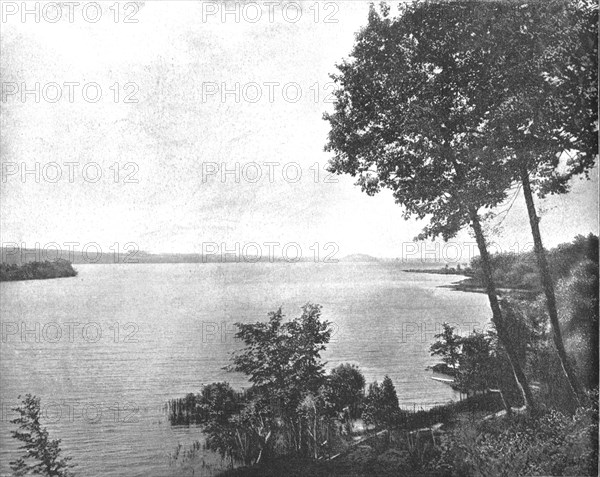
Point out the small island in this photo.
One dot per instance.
(36, 270)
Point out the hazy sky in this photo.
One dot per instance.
(161, 157)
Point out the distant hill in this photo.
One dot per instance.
(359, 257)
(16, 256)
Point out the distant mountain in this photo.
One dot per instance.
(359, 257)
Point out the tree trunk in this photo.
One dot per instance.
(497, 313)
(548, 287)
(316, 452)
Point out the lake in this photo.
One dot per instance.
(106, 349)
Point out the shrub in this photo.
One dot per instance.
(547, 444)
(43, 455)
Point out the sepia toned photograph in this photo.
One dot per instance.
(299, 238)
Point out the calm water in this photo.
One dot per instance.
(115, 342)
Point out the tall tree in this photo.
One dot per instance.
(545, 62)
(408, 117)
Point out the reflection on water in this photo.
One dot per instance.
(105, 350)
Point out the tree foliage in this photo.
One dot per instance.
(479, 361)
(286, 410)
(519, 270)
(282, 359)
(443, 103)
(447, 346)
(409, 112)
(345, 388)
(545, 63)
(381, 404)
(43, 456)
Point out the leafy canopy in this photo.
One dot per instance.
(409, 113)
(445, 103)
(345, 388)
(282, 359)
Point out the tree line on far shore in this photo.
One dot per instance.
(36, 270)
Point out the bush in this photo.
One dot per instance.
(547, 444)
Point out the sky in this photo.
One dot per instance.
(173, 156)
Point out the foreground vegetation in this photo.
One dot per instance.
(296, 419)
(36, 270)
(41, 455)
(550, 444)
